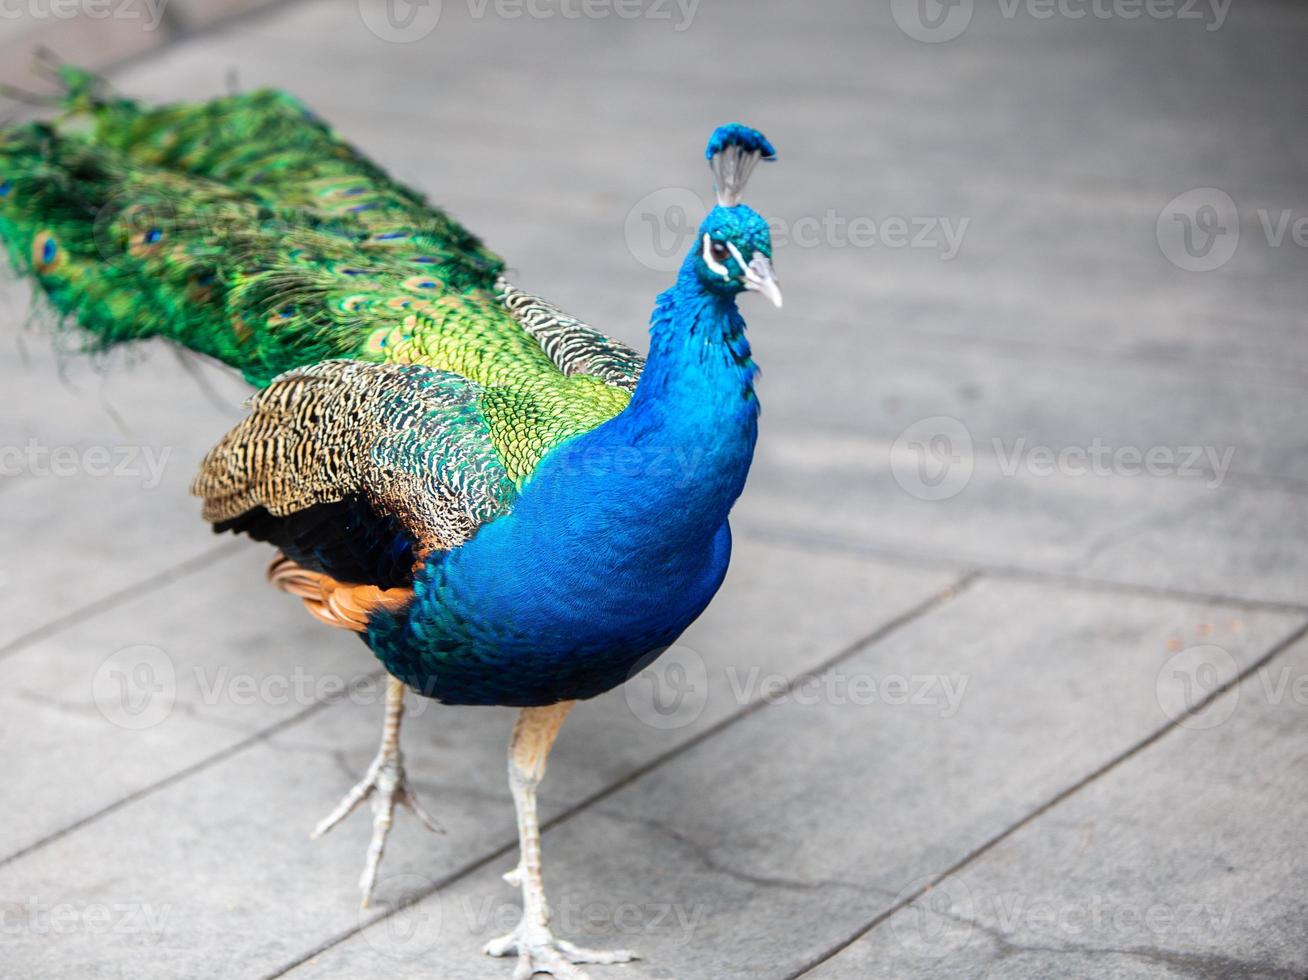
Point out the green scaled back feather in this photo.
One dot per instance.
(245, 229)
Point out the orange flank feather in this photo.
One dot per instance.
(341, 604)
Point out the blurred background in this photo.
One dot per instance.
(1009, 676)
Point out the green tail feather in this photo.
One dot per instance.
(270, 146)
(242, 228)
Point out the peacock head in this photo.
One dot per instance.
(734, 249)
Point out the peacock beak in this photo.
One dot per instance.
(760, 278)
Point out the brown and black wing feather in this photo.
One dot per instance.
(358, 471)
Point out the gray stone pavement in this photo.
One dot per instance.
(1008, 678)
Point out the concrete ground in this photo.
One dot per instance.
(1009, 678)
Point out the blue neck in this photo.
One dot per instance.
(671, 465)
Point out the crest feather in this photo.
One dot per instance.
(733, 152)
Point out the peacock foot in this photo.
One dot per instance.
(386, 785)
(539, 952)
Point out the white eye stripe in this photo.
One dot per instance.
(713, 263)
(736, 253)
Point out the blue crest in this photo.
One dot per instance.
(733, 151)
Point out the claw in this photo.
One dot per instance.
(343, 809)
(542, 953)
(410, 801)
(386, 785)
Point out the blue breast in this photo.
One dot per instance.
(501, 622)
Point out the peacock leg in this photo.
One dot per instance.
(533, 943)
(387, 785)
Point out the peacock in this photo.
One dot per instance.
(491, 493)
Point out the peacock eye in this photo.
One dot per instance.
(718, 251)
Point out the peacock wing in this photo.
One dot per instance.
(358, 470)
(573, 346)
